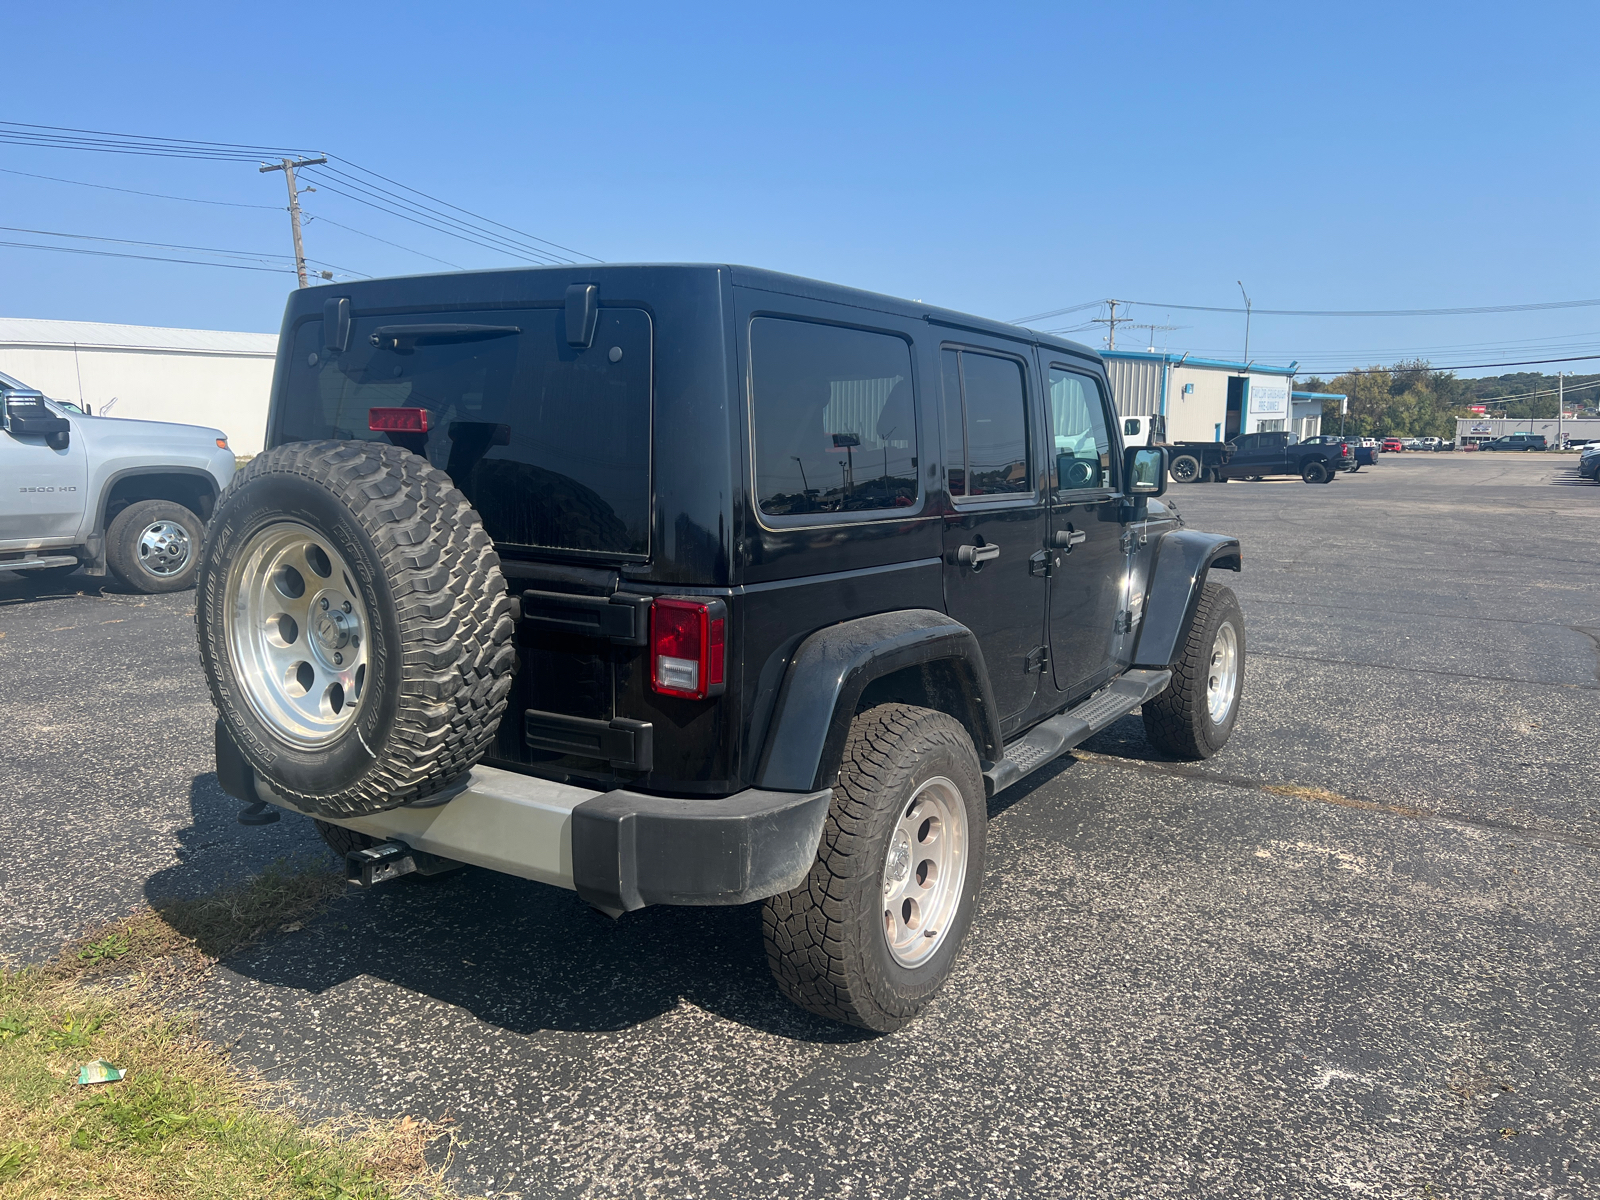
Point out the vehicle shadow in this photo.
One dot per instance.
(516, 954)
(25, 587)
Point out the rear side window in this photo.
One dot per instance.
(834, 420)
(551, 444)
(986, 424)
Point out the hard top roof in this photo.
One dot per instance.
(754, 278)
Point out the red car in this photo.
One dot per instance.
(1392, 446)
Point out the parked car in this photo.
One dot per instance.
(101, 493)
(1517, 441)
(1589, 464)
(697, 585)
(1258, 455)
(1393, 445)
(1434, 443)
(1365, 450)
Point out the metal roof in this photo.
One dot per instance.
(1188, 360)
(27, 332)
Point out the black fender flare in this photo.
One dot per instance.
(832, 668)
(1183, 557)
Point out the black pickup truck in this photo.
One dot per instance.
(1257, 455)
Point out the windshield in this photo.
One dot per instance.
(550, 443)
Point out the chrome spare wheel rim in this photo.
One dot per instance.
(1222, 674)
(297, 634)
(924, 871)
(164, 549)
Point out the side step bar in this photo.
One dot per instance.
(1051, 739)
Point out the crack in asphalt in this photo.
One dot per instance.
(1323, 796)
(1594, 638)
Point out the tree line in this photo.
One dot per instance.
(1411, 399)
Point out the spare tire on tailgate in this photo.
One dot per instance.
(354, 625)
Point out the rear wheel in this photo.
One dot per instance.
(353, 625)
(873, 932)
(1185, 468)
(154, 546)
(1194, 717)
(1316, 472)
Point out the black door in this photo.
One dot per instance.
(996, 526)
(1247, 456)
(1238, 389)
(1086, 560)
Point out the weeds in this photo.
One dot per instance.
(183, 1122)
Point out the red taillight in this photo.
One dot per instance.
(688, 652)
(397, 420)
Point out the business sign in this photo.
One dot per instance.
(1269, 397)
(1481, 427)
(1479, 408)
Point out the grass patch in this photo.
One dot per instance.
(184, 1122)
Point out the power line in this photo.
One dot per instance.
(102, 141)
(310, 217)
(144, 257)
(469, 213)
(1530, 362)
(428, 219)
(244, 254)
(106, 187)
(1542, 306)
(324, 186)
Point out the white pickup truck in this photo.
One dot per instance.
(104, 493)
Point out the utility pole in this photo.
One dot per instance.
(1111, 323)
(287, 166)
(1561, 403)
(1246, 296)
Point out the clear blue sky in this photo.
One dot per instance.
(1003, 160)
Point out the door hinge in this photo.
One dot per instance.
(1043, 562)
(1038, 658)
(1132, 538)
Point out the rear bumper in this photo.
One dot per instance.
(619, 850)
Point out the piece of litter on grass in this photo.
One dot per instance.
(291, 927)
(99, 1071)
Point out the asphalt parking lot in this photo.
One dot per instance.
(1354, 954)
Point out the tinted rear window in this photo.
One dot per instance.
(551, 444)
(835, 424)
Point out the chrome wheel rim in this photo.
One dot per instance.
(297, 634)
(165, 549)
(924, 871)
(1222, 674)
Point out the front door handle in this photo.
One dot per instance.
(1068, 538)
(973, 555)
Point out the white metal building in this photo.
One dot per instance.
(196, 376)
(1486, 429)
(1208, 400)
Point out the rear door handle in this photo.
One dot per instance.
(1068, 538)
(973, 555)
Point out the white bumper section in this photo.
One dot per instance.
(503, 821)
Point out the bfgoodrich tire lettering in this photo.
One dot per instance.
(1185, 720)
(425, 581)
(826, 941)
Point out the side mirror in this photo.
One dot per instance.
(30, 418)
(1145, 470)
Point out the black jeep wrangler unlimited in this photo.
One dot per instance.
(549, 571)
